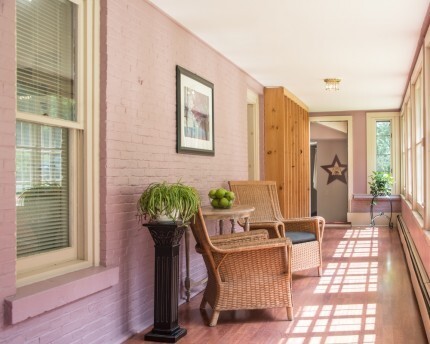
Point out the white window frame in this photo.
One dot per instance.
(371, 119)
(426, 114)
(409, 152)
(84, 171)
(403, 152)
(418, 141)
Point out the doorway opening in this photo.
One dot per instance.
(331, 168)
(253, 134)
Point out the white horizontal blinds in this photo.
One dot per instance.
(42, 185)
(46, 58)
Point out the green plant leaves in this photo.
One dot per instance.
(381, 183)
(177, 201)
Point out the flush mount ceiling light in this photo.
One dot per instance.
(332, 84)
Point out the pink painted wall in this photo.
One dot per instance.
(420, 238)
(140, 48)
(359, 146)
(7, 151)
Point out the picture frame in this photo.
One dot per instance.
(194, 113)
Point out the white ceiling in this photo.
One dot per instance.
(369, 44)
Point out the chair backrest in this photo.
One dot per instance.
(198, 226)
(260, 194)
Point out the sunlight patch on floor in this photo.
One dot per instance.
(351, 277)
(357, 249)
(334, 324)
(362, 233)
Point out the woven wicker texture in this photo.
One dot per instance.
(267, 215)
(245, 270)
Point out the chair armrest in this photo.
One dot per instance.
(234, 247)
(305, 224)
(241, 237)
(275, 228)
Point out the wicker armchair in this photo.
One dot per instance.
(306, 234)
(245, 270)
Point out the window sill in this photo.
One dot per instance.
(34, 299)
(361, 197)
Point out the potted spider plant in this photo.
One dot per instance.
(164, 202)
(169, 208)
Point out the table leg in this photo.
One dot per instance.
(232, 225)
(246, 224)
(221, 226)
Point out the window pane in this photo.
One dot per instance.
(418, 110)
(420, 173)
(383, 146)
(42, 188)
(46, 65)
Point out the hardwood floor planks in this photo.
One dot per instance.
(364, 296)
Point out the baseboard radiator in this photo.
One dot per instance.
(419, 277)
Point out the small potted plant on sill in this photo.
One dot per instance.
(380, 185)
(166, 203)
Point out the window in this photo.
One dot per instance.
(53, 132)
(383, 145)
(409, 151)
(419, 143)
(403, 155)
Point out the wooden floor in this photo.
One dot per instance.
(364, 296)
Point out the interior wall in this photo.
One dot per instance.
(332, 199)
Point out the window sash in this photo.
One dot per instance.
(71, 120)
(46, 48)
(384, 154)
(42, 187)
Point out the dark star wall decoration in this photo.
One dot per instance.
(336, 171)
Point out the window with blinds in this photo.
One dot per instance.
(46, 90)
(45, 58)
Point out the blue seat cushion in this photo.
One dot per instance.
(300, 237)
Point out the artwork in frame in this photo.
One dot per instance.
(195, 113)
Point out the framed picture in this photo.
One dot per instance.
(195, 113)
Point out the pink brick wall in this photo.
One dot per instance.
(140, 136)
(7, 151)
(140, 48)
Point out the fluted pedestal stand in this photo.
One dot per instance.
(167, 240)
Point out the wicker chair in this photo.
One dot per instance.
(245, 270)
(306, 234)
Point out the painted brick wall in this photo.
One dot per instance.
(7, 151)
(140, 48)
(142, 51)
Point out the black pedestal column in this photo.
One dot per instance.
(166, 238)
